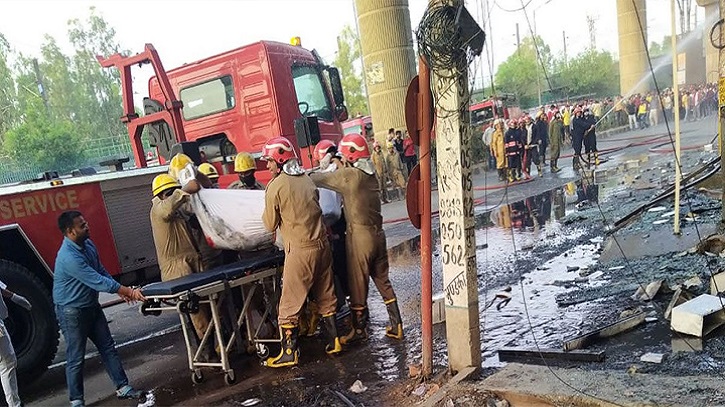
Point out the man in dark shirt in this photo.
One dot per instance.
(77, 279)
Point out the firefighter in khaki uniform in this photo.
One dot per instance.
(396, 170)
(291, 203)
(367, 254)
(176, 250)
(381, 170)
(244, 166)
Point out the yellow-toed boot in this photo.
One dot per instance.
(289, 355)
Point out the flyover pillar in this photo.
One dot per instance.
(386, 39)
(633, 66)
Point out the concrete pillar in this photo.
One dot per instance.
(633, 65)
(712, 13)
(386, 40)
(455, 200)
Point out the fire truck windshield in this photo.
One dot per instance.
(482, 115)
(312, 97)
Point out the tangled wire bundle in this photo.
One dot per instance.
(440, 42)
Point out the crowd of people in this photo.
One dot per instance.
(393, 166)
(515, 144)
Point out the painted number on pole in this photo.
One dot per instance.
(721, 91)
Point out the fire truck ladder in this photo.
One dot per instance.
(135, 124)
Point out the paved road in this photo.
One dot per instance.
(156, 359)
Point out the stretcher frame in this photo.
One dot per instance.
(214, 294)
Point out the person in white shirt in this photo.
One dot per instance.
(8, 361)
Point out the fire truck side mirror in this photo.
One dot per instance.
(341, 112)
(336, 84)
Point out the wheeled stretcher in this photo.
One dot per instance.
(253, 277)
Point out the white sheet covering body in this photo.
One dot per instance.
(232, 219)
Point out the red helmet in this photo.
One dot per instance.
(354, 147)
(278, 149)
(322, 148)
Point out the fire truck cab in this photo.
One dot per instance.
(503, 106)
(238, 100)
(362, 125)
(210, 109)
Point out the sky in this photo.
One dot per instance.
(184, 31)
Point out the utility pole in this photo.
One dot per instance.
(721, 100)
(455, 199)
(591, 24)
(518, 38)
(566, 60)
(676, 88)
(41, 87)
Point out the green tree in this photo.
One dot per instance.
(518, 74)
(8, 107)
(348, 56)
(657, 49)
(45, 142)
(592, 71)
(100, 87)
(79, 91)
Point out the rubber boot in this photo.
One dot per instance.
(589, 160)
(575, 163)
(289, 355)
(384, 195)
(395, 328)
(359, 330)
(596, 159)
(511, 175)
(313, 319)
(333, 341)
(539, 168)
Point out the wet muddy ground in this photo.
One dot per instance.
(549, 252)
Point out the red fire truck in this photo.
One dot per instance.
(231, 102)
(360, 125)
(504, 106)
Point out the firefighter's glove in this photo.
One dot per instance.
(187, 174)
(22, 301)
(325, 161)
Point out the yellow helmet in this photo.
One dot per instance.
(244, 162)
(162, 182)
(177, 163)
(209, 170)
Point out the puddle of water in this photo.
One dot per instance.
(536, 296)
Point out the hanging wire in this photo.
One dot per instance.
(536, 45)
(446, 53)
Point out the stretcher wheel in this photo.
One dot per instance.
(197, 376)
(230, 378)
(262, 351)
(145, 311)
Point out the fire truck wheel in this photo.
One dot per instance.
(34, 334)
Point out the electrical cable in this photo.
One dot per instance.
(446, 53)
(495, 2)
(719, 45)
(536, 45)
